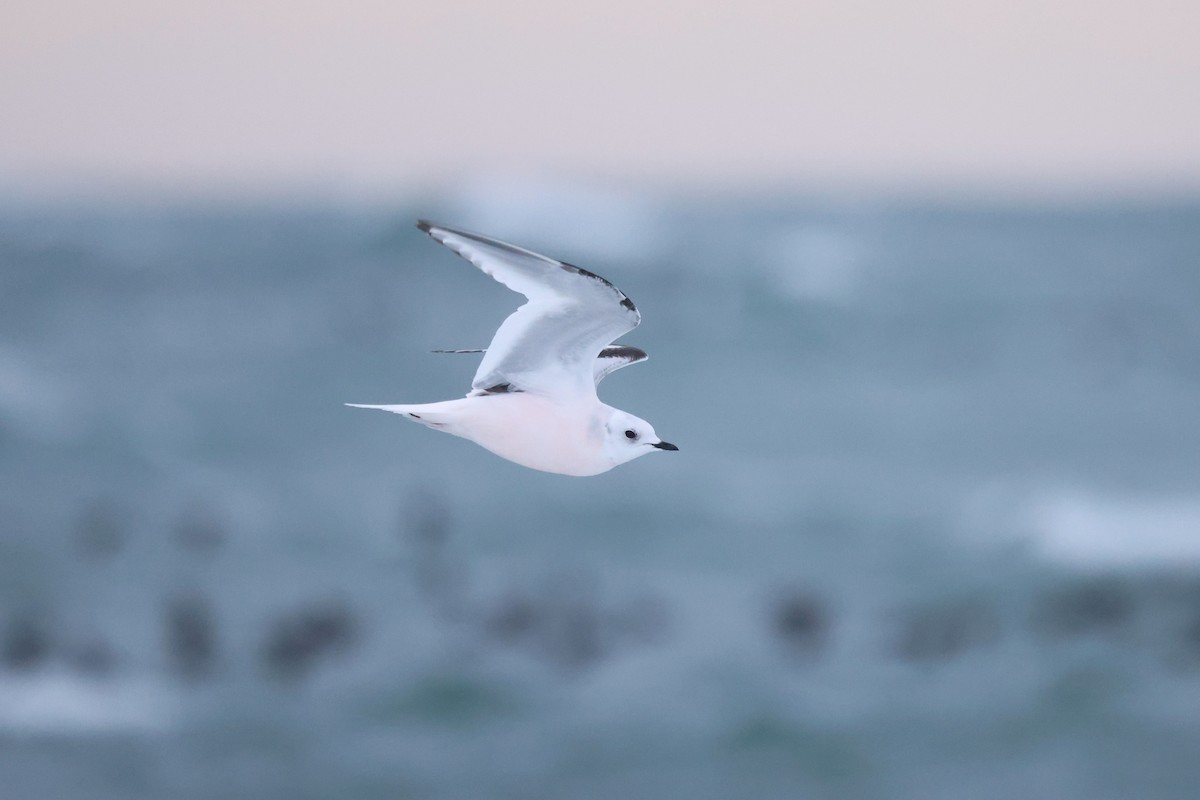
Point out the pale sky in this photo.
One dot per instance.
(1008, 93)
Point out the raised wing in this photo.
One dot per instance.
(549, 344)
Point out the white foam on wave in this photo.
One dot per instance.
(32, 399)
(1091, 530)
(1083, 528)
(58, 702)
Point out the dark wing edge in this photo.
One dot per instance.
(611, 359)
(615, 356)
(432, 229)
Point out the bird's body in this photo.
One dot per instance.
(525, 428)
(533, 400)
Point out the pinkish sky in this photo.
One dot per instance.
(1017, 95)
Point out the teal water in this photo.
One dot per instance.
(933, 529)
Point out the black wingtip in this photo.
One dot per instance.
(630, 354)
(424, 225)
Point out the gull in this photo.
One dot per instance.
(533, 399)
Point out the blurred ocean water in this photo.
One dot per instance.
(933, 531)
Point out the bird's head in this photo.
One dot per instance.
(626, 437)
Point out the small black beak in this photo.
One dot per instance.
(664, 446)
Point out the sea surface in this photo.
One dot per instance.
(933, 530)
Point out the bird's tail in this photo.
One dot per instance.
(432, 414)
(404, 409)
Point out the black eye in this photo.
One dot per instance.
(630, 434)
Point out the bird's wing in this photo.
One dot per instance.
(611, 358)
(551, 343)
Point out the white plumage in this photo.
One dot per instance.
(533, 399)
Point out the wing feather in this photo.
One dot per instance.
(551, 343)
(614, 357)
(611, 358)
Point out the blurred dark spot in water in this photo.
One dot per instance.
(941, 631)
(426, 523)
(26, 644)
(645, 619)
(568, 626)
(190, 636)
(100, 531)
(425, 530)
(575, 637)
(1183, 653)
(515, 617)
(1168, 614)
(1191, 637)
(298, 641)
(1094, 606)
(199, 531)
(565, 622)
(801, 621)
(94, 657)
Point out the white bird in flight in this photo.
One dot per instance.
(533, 399)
